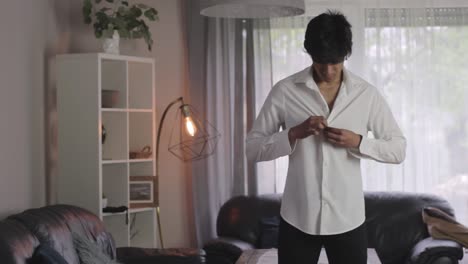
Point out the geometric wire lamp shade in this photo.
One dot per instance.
(251, 8)
(192, 138)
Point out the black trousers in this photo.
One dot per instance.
(295, 246)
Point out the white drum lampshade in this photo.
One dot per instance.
(251, 8)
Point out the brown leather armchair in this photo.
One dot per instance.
(22, 233)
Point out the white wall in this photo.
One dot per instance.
(22, 75)
(33, 31)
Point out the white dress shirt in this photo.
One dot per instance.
(323, 193)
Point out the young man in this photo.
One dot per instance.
(325, 112)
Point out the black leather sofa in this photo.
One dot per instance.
(21, 234)
(394, 228)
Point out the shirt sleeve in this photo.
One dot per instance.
(388, 144)
(265, 141)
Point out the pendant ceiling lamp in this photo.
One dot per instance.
(251, 8)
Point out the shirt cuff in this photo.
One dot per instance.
(365, 146)
(284, 145)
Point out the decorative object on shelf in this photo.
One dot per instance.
(144, 153)
(252, 8)
(190, 139)
(143, 191)
(111, 16)
(103, 134)
(109, 98)
(115, 209)
(104, 201)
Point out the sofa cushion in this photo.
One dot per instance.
(239, 217)
(268, 232)
(89, 252)
(17, 243)
(53, 225)
(45, 254)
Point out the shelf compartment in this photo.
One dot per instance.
(142, 169)
(115, 184)
(141, 131)
(116, 224)
(115, 144)
(114, 78)
(140, 85)
(142, 227)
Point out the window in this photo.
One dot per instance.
(418, 59)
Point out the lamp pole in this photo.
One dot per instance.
(158, 141)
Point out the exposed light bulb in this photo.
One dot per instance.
(190, 126)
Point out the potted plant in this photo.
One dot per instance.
(118, 18)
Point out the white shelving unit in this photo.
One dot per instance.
(89, 168)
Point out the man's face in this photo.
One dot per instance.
(328, 72)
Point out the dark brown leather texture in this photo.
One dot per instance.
(22, 233)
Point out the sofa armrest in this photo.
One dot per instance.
(225, 250)
(435, 251)
(135, 255)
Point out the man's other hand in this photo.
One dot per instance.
(311, 126)
(342, 137)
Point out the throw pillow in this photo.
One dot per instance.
(268, 237)
(443, 226)
(89, 252)
(45, 254)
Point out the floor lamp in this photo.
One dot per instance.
(191, 139)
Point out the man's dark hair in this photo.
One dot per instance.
(328, 38)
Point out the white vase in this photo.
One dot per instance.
(111, 45)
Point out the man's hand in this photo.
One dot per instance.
(311, 126)
(342, 137)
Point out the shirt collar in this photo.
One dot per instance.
(305, 77)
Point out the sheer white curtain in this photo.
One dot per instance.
(417, 55)
(220, 87)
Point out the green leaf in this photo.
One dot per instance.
(135, 12)
(122, 11)
(151, 14)
(101, 16)
(87, 8)
(119, 23)
(97, 31)
(124, 33)
(154, 11)
(136, 34)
